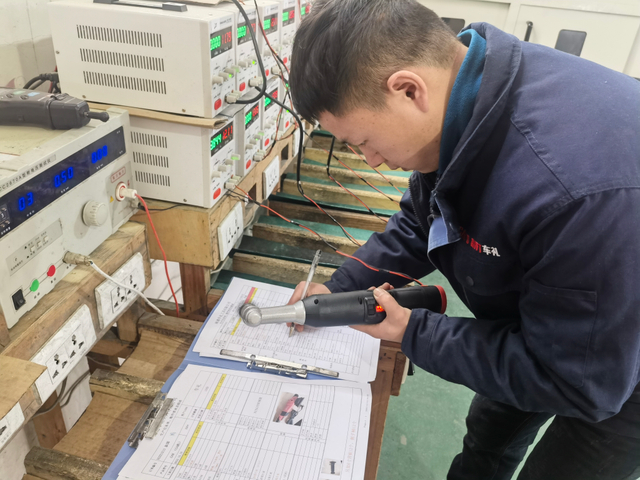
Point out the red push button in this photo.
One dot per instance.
(266, 72)
(242, 86)
(248, 164)
(217, 193)
(287, 124)
(266, 142)
(218, 104)
(284, 60)
(52, 271)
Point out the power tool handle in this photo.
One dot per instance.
(357, 308)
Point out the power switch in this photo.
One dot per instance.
(18, 300)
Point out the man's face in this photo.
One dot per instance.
(397, 136)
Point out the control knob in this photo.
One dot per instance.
(94, 214)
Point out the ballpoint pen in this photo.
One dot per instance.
(312, 270)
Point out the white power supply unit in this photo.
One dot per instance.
(230, 230)
(185, 163)
(269, 114)
(64, 350)
(142, 55)
(271, 177)
(246, 65)
(269, 16)
(250, 143)
(57, 194)
(112, 299)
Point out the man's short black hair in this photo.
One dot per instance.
(345, 51)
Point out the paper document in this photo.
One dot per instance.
(230, 425)
(351, 353)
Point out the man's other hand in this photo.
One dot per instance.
(314, 289)
(392, 328)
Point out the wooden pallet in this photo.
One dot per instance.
(120, 398)
(34, 329)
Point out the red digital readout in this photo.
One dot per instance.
(292, 14)
(307, 8)
(226, 38)
(255, 111)
(227, 132)
(274, 22)
(253, 26)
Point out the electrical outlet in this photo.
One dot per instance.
(112, 299)
(270, 177)
(230, 230)
(64, 350)
(10, 424)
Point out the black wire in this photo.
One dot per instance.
(263, 87)
(333, 141)
(161, 209)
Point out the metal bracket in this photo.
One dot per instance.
(171, 6)
(148, 425)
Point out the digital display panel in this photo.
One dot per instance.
(267, 101)
(288, 16)
(221, 138)
(29, 198)
(221, 41)
(252, 115)
(305, 10)
(270, 23)
(244, 35)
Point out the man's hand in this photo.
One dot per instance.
(393, 327)
(314, 289)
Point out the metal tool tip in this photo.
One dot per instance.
(250, 315)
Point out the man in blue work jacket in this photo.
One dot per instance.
(526, 196)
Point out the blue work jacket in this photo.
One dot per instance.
(549, 262)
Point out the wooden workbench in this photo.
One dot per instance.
(121, 398)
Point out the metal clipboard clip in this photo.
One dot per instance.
(151, 420)
(281, 367)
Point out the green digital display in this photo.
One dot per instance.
(267, 101)
(270, 23)
(221, 138)
(216, 42)
(242, 31)
(220, 41)
(215, 141)
(289, 16)
(252, 115)
(285, 16)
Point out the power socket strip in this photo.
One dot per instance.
(64, 350)
(10, 424)
(270, 177)
(111, 299)
(230, 230)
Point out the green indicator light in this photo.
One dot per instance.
(215, 141)
(216, 42)
(267, 24)
(34, 285)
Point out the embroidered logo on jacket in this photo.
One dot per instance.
(478, 247)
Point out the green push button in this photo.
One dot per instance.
(35, 285)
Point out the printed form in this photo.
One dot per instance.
(228, 425)
(351, 353)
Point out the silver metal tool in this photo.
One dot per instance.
(273, 365)
(312, 271)
(151, 420)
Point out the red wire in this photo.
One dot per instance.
(379, 172)
(164, 255)
(336, 250)
(322, 210)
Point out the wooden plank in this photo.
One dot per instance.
(5, 337)
(30, 477)
(128, 322)
(52, 465)
(398, 373)
(299, 237)
(344, 175)
(320, 154)
(111, 346)
(268, 248)
(77, 288)
(128, 387)
(214, 296)
(157, 356)
(102, 429)
(278, 270)
(17, 379)
(196, 283)
(195, 242)
(213, 123)
(335, 194)
(50, 427)
(380, 392)
(310, 213)
(169, 326)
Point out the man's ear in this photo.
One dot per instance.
(406, 85)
